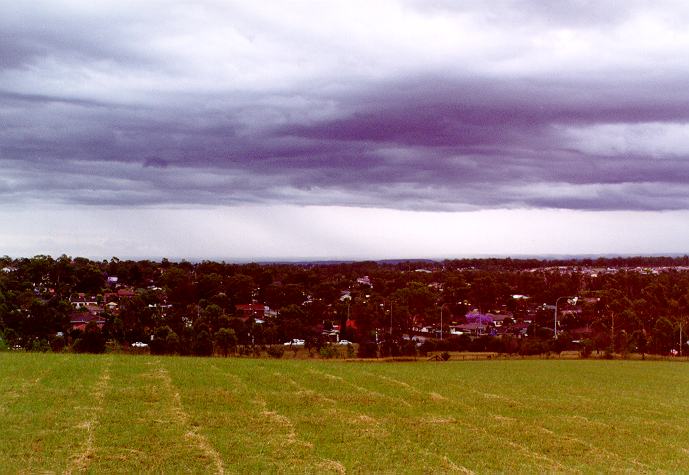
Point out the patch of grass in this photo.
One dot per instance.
(118, 413)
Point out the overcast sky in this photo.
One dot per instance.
(343, 129)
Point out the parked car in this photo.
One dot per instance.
(344, 342)
(294, 342)
(139, 344)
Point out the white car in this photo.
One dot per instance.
(139, 344)
(294, 342)
(344, 342)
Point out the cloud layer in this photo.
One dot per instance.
(418, 105)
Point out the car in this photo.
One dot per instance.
(294, 342)
(139, 344)
(344, 342)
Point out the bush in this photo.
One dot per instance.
(57, 344)
(329, 351)
(275, 351)
(91, 341)
(586, 348)
(40, 346)
(165, 342)
(533, 346)
(408, 348)
(368, 349)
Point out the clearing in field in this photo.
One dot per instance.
(112, 413)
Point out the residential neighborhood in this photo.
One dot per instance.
(381, 309)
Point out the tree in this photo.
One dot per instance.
(203, 345)
(165, 341)
(212, 313)
(641, 342)
(225, 339)
(663, 332)
(172, 343)
(91, 341)
(291, 323)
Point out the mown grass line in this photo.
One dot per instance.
(43, 420)
(115, 414)
(81, 460)
(141, 429)
(454, 428)
(623, 447)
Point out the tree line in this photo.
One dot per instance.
(633, 304)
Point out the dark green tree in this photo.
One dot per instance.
(225, 340)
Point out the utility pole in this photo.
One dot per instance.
(680, 338)
(441, 321)
(557, 300)
(612, 332)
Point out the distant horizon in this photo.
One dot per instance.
(325, 261)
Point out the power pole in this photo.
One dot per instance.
(612, 332)
(441, 322)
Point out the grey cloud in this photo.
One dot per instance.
(155, 162)
(456, 139)
(584, 14)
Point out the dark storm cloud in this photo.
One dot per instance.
(120, 106)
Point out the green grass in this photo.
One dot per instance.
(124, 414)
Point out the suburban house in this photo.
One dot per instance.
(253, 310)
(79, 320)
(125, 293)
(82, 301)
(473, 328)
(87, 310)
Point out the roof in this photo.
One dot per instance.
(470, 326)
(476, 317)
(83, 298)
(84, 317)
(251, 307)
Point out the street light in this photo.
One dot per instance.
(574, 302)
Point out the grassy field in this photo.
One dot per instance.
(114, 413)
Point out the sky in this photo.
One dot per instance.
(353, 129)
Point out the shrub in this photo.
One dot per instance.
(329, 351)
(533, 346)
(165, 341)
(41, 345)
(608, 354)
(57, 343)
(275, 351)
(91, 340)
(408, 348)
(586, 348)
(368, 349)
